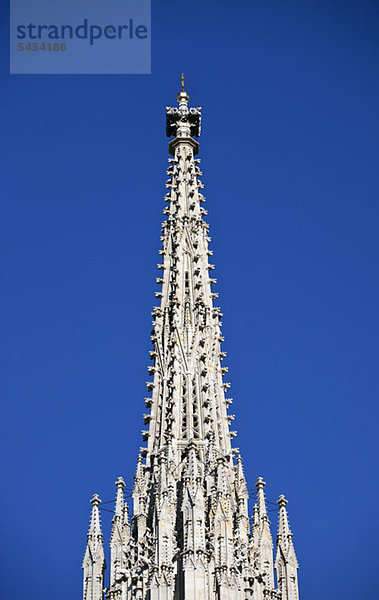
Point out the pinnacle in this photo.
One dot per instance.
(94, 532)
(120, 484)
(285, 547)
(261, 500)
(284, 528)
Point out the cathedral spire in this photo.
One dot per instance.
(94, 561)
(190, 534)
(286, 564)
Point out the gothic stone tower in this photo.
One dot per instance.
(189, 537)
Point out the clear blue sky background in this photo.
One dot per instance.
(290, 158)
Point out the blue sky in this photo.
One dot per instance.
(289, 152)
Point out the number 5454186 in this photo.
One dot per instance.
(35, 46)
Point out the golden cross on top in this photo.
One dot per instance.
(182, 82)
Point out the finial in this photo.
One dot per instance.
(120, 482)
(183, 97)
(95, 500)
(260, 483)
(282, 501)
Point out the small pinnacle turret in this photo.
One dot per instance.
(120, 534)
(263, 538)
(286, 564)
(94, 560)
(189, 537)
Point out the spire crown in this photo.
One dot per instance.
(183, 123)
